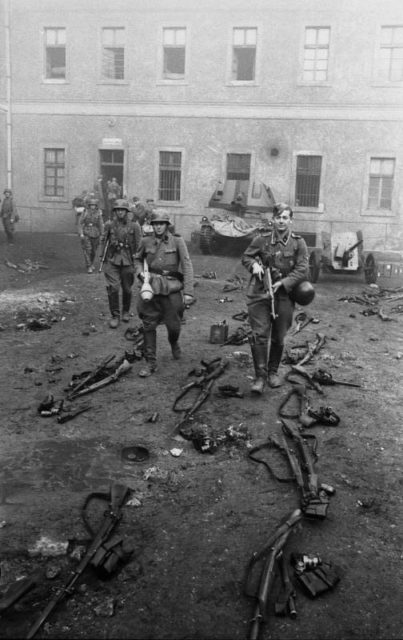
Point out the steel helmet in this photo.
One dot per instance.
(121, 204)
(160, 215)
(303, 293)
(93, 201)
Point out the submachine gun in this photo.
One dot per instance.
(100, 547)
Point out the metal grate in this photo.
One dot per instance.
(170, 173)
(307, 186)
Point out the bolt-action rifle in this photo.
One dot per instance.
(93, 374)
(118, 495)
(268, 286)
(326, 378)
(273, 550)
(314, 497)
(105, 251)
(121, 369)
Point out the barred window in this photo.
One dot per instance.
(381, 179)
(391, 54)
(54, 169)
(316, 54)
(174, 53)
(238, 166)
(55, 53)
(244, 53)
(307, 188)
(170, 174)
(113, 53)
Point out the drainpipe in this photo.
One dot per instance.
(8, 90)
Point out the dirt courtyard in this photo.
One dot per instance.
(194, 519)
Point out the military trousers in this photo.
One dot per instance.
(166, 310)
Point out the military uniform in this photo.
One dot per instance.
(171, 277)
(287, 259)
(9, 216)
(91, 228)
(124, 239)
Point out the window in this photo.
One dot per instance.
(174, 50)
(55, 54)
(307, 186)
(316, 54)
(113, 53)
(238, 166)
(391, 54)
(381, 177)
(54, 172)
(243, 54)
(170, 173)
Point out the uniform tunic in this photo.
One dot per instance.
(8, 214)
(91, 226)
(124, 239)
(287, 259)
(167, 258)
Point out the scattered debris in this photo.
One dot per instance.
(176, 452)
(47, 547)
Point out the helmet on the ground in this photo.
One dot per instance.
(94, 202)
(160, 215)
(303, 293)
(121, 204)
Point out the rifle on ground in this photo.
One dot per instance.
(121, 369)
(273, 547)
(105, 251)
(314, 497)
(118, 495)
(326, 378)
(213, 370)
(93, 374)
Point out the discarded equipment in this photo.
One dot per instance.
(99, 545)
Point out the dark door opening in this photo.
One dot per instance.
(111, 165)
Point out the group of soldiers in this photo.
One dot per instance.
(131, 253)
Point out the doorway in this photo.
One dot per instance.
(111, 165)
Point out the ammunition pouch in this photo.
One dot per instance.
(109, 557)
(319, 580)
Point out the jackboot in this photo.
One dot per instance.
(175, 347)
(113, 298)
(259, 355)
(150, 353)
(126, 302)
(276, 352)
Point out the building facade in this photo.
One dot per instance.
(172, 96)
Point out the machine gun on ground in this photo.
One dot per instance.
(112, 516)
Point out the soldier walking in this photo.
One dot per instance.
(90, 229)
(123, 238)
(171, 278)
(285, 254)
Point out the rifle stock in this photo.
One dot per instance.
(104, 252)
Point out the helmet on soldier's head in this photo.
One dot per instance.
(160, 215)
(303, 293)
(121, 204)
(94, 202)
(8, 191)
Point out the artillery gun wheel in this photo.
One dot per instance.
(206, 240)
(314, 266)
(370, 269)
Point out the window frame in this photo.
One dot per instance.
(257, 26)
(169, 149)
(160, 55)
(45, 79)
(43, 148)
(293, 181)
(113, 81)
(379, 81)
(316, 83)
(383, 213)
